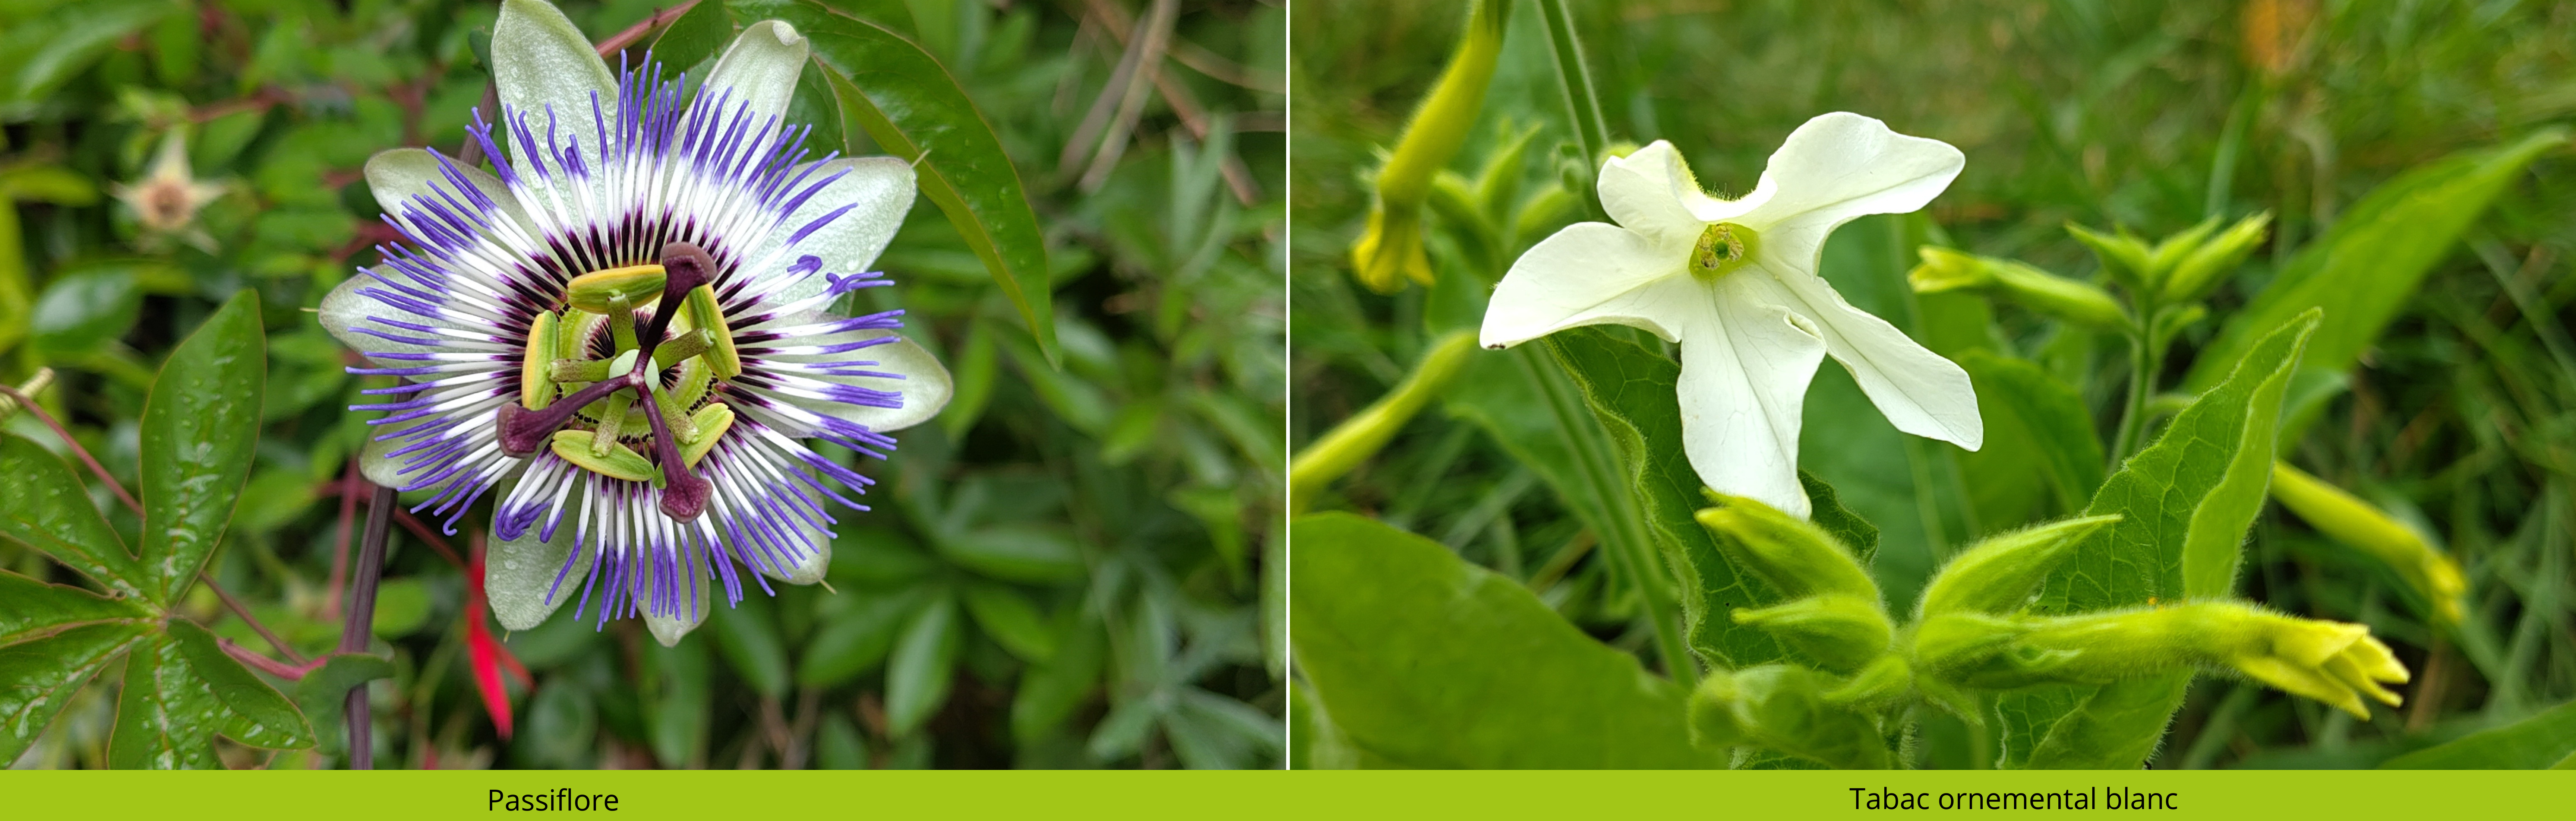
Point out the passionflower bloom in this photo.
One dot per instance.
(625, 332)
(1734, 283)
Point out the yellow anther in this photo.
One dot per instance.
(712, 421)
(597, 291)
(617, 462)
(536, 390)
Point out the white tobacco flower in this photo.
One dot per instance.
(625, 336)
(1734, 283)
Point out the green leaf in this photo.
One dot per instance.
(83, 311)
(2047, 415)
(914, 110)
(1012, 620)
(181, 691)
(2186, 502)
(1631, 389)
(39, 55)
(1429, 661)
(677, 719)
(2366, 268)
(2544, 741)
(1019, 553)
(200, 427)
(748, 638)
(38, 677)
(43, 507)
(696, 36)
(1052, 689)
(917, 676)
(30, 608)
(854, 640)
(323, 694)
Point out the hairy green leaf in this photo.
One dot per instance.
(2366, 267)
(2185, 503)
(200, 427)
(2544, 741)
(1429, 661)
(2016, 393)
(913, 109)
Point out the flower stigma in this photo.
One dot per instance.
(1722, 248)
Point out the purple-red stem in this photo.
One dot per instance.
(362, 614)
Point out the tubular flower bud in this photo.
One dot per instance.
(2331, 662)
(1783, 708)
(1840, 631)
(1792, 554)
(2170, 253)
(1944, 269)
(2358, 525)
(2000, 574)
(1391, 249)
(2201, 270)
(2123, 256)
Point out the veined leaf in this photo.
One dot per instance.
(38, 677)
(200, 427)
(913, 109)
(2186, 502)
(1428, 661)
(697, 35)
(2544, 741)
(30, 609)
(323, 694)
(2046, 410)
(181, 691)
(44, 507)
(2363, 270)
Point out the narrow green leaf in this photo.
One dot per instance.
(38, 677)
(2049, 416)
(696, 36)
(30, 608)
(2544, 741)
(748, 638)
(39, 55)
(854, 640)
(2186, 502)
(678, 712)
(913, 109)
(200, 427)
(917, 676)
(80, 312)
(1019, 553)
(43, 507)
(180, 692)
(1012, 620)
(1052, 689)
(2366, 267)
(1432, 662)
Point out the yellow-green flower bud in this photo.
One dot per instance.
(1841, 632)
(2000, 574)
(1783, 708)
(2358, 525)
(2331, 662)
(2202, 269)
(1391, 249)
(1944, 269)
(2170, 253)
(1878, 684)
(1794, 555)
(2123, 256)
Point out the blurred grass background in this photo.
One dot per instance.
(1067, 568)
(2148, 115)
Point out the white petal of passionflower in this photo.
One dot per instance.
(1589, 273)
(1745, 369)
(869, 194)
(541, 62)
(759, 69)
(519, 574)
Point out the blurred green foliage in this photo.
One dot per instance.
(2459, 419)
(1070, 567)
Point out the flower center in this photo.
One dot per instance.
(1721, 249)
(615, 410)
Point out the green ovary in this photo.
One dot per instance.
(1722, 248)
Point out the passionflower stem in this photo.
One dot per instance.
(362, 615)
